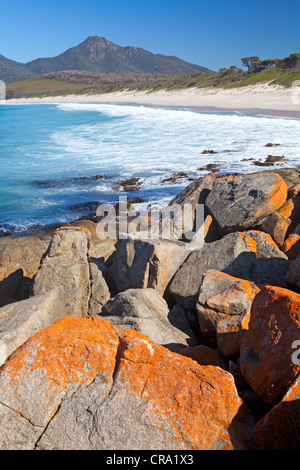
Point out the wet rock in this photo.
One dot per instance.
(213, 167)
(269, 161)
(208, 152)
(86, 206)
(129, 185)
(69, 181)
(178, 177)
(275, 158)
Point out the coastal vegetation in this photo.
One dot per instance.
(281, 72)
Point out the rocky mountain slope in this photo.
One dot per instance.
(97, 54)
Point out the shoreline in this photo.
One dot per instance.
(265, 100)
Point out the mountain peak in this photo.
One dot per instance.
(96, 40)
(98, 54)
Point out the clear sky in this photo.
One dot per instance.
(212, 33)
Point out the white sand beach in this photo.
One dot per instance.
(266, 98)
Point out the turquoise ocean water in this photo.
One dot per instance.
(46, 150)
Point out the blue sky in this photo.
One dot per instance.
(212, 33)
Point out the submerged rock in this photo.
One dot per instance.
(182, 175)
(131, 184)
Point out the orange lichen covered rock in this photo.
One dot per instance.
(266, 349)
(238, 202)
(265, 245)
(230, 332)
(205, 356)
(287, 209)
(53, 363)
(291, 208)
(279, 429)
(291, 246)
(221, 295)
(277, 226)
(211, 233)
(294, 191)
(82, 384)
(234, 254)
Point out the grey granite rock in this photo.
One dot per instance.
(238, 202)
